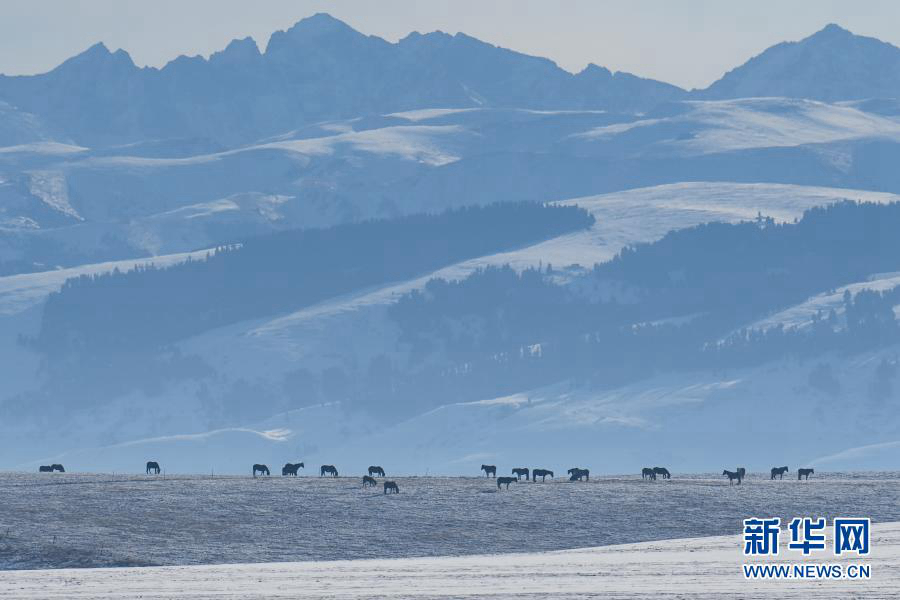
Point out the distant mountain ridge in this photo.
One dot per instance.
(319, 69)
(831, 65)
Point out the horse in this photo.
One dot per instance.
(369, 481)
(291, 469)
(732, 475)
(542, 473)
(519, 472)
(804, 472)
(742, 471)
(507, 481)
(330, 469)
(575, 474)
(662, 472)
(57, 467)
(648, 473)
(779, 471)
(45, 469)
(489, 470)
(257, 468)
(153, 467)
(376, 471)
(391, 488)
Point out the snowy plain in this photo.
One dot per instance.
(686, 569)
(106, 520)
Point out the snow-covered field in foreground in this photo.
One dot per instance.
(682, 568)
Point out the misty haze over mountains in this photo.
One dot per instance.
(711, 257)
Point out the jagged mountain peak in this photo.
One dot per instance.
(831, 65)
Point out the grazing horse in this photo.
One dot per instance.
(779, 471)
(57, 467)
(153, 467)
(291, 469)
(575, 474)
(391, 487)
(804, 473)
(732, 475)
(376, 471)
(542, 473)
(45, 469)
(662, 472)
(519, 472)
(489, 470)
(330, 469)
(648, 473)
(369, 481)
(257, 468)
(507, 481)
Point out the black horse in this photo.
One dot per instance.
(732, 475)
(45, 469)
(519, 472)
(743, 472)
(648, 473)
(376, 471)
(57, 467)
(662, 472)
(257, 468)
(369, 481)
(804, 473)
(507, 481)
(542, 473)
(489, 470)
(576, 474)
(153, 467)
(391, 488)
(779, 471)
(329, 469)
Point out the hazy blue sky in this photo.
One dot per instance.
(689, 43)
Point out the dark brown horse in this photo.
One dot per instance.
(391, 488)
(648, 473)
(732, 475)
(779, 471)
(375, 470)
(577, 474)
(489, 470)
(153, 467)
(507, 481)
(45, 469)
(258, 468)
(290, 469)
(804, 473)
(542, 473)
(519, 472)
(329, 469)
(58, 467)
(369, 481)
(662, 472)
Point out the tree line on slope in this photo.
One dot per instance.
(499, 331)
(150, 307)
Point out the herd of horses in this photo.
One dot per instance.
(575, 474)
(391, 487)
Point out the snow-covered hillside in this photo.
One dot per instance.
(560, 421)
(422, 160)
